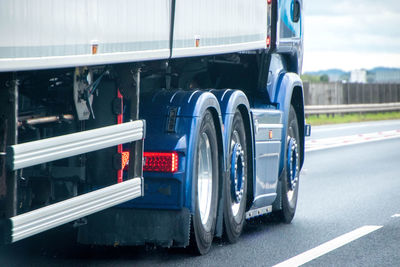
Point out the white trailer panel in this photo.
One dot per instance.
(211, 27)
(37, 34)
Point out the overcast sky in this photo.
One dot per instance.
(351, 34)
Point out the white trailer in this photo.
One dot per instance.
(45, 34)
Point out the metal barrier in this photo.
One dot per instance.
(351, 108)
(350, 93)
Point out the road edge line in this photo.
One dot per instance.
(329, 246)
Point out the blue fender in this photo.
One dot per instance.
(286, 85)
(193, 105)
(229, 101)
(189, 103)
(190, 106)
(173, 120)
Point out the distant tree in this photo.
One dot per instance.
(310, 78)
(345, 77)
(324, 78)
(370, 77)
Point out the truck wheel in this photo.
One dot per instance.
(290, 182)
(236, 181)
(205, 179)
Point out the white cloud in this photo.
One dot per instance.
(322, 60)
(352, 31)
(340, 7)
(344, 33)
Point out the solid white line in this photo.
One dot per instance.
(395, 215)
(328, 246)
(355, 125)
(322, 147)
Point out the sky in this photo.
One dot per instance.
(351, 34)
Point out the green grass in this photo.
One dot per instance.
(346, 118)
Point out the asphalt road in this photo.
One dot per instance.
(344, 190)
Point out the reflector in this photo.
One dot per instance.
(125, 159)
(160, 162)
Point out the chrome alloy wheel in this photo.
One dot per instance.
(292, 167)
(204, 183)
(238, 176)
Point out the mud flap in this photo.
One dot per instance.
(119, 226)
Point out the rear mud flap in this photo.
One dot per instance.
(119, 226)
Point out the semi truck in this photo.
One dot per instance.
(167, 122)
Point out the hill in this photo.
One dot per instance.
(378, 75)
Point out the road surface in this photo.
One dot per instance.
(348, 215)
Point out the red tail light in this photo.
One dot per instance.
(160, 162)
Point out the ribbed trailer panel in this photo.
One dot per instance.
(210, 27)
(38, 34)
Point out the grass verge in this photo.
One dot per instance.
(354, 117)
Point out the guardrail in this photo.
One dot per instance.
(350, 93)
(350, 108)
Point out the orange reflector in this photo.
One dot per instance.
(268, 41)
(125, 159)
(94, 49)
(160, 162)
(270, 134)
(197, 40)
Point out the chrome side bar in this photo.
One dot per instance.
(36, 152)
(51, 216)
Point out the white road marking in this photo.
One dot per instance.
(328, 246)
(353, 125)
(324, 143)
(395, 215)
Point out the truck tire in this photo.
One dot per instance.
(205, 180)
(236, 181)
(291, 172)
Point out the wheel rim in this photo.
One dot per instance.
(292, 167)
(237, 173)
(204, 180)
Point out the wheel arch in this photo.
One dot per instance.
(297, 101)
(291, 92)
(248, 126)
